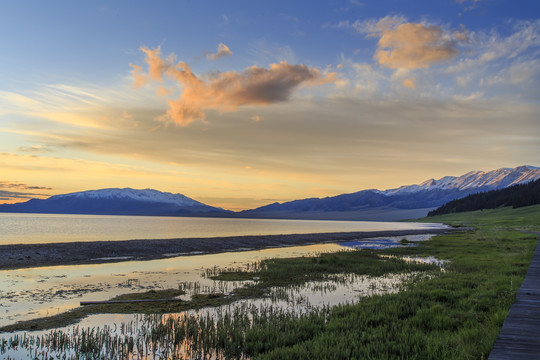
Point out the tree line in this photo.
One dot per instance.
(516, 196)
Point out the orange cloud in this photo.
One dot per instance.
(227, 91)
(409, 83)
(163, 91)
(223, 51)
(414, 46)
(139, 80)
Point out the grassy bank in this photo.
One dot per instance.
(455, 314)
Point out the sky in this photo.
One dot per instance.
(239, 104)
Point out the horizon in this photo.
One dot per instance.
(239, 105)
(372, 189)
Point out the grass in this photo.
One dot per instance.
(294, 271)
(455, 314)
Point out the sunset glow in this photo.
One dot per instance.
(240, 104)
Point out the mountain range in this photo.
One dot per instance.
(405, 202)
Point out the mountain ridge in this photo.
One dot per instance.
(516, 196)
(423, 197)
(404, 202)
(117, 201)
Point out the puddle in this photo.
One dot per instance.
(387, 242)
(427, 260)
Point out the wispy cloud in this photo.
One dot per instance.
(11, 196)
(15, 196)
(489, 47)
(20, 186)
(34, 149)
(472, 4)
(409, 83)
(222, 51)
(226, 91)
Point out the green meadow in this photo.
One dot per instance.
(453, 312)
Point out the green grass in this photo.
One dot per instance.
(294, 271)
(456, 315)
(520, 218)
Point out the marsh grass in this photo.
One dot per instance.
(292, 271)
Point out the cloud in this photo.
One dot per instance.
(13, 196)
(20, 186)
(138, 79)
(225, 19)
(34, 149)
(164, 91)
(407, 45)
(223, 51)
(414, 46)
(226, 91)
(10, 196)
(491, 47)
(372, 27)
(517, 73)
(474, 4)
(409, 83)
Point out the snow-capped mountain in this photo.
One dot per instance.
(116, 202)
(146, 195)
(405, 202)
(476, 180)
(410, 201)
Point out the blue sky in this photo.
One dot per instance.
(253, 102)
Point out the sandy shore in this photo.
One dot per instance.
(36, 255)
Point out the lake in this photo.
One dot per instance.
(51, 228)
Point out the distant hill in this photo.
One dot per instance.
(405, 202)
(116, 202)
(516, 196)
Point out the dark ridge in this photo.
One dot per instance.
(515, 196)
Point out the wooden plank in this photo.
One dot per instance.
(520, 335)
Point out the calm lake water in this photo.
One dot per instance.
(50, 228)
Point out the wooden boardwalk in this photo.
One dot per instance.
(520, 335)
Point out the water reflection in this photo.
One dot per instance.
(205, 333)
(36, 292)
(387, 242)
(54, 228)
(202, 333)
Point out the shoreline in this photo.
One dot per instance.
(19, 256)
